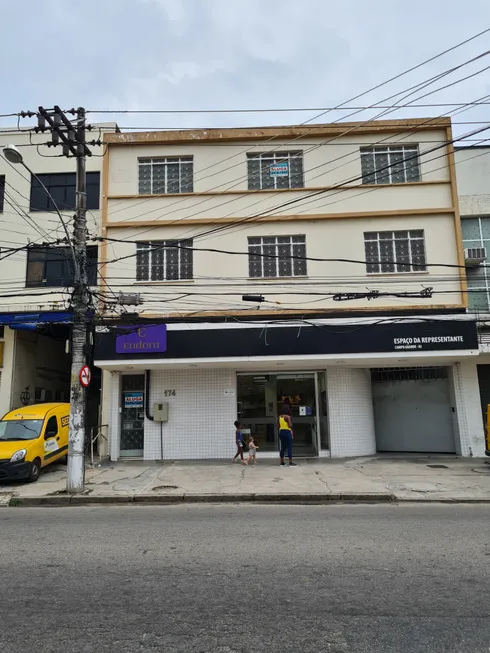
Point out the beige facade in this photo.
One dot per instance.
(332, 211)
(223, 358)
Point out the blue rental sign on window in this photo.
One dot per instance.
(279, 169)
(133, 400)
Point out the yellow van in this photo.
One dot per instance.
(32, 437)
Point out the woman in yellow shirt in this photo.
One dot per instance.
(286, 435)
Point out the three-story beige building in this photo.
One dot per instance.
(318, 264)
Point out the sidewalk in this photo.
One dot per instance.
(321, 481)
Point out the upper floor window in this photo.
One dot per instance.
(395, 251)
(277, 256)
(169, 174)
(275, 170)
(476, 234)
(62, 188)
(390, 164)
(2, 192)
(53, 266)
(164, 260)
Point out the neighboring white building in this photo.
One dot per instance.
(35, 316)
(304, 216)
(473, 175)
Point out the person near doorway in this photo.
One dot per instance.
(286, 435)
(252, 451)
(239, 442)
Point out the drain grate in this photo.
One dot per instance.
(438, 466)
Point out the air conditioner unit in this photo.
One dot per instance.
(474, 256)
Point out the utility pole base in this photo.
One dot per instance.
(75, 478)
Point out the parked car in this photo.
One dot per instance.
(31, 438)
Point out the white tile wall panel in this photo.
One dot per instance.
(202, 412)
(201, 415)
(350, 409)
(114, 388)
(470, 430)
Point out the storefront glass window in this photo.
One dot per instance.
(261, 397)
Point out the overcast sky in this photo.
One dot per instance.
(215, 54)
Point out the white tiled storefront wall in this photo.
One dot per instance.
(202, 412)
(470, 431)
(350, 409)
(114, 389)
(200, 417)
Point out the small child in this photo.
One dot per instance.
(252, 451)
(239, 442)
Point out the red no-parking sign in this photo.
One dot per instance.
(85, 376)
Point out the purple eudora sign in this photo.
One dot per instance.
(143, 340)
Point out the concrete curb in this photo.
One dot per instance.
(195, 497)
(304, 498)
(442, 500)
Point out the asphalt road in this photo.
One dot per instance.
(226, 579)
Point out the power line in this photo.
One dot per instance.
(430, 60)
(270, 284)
(369, 190)
(340, 185)
(305, 200)
(229, 201)
(246, 253)
(424, 293)
(476, 73)
(416, 87)
(145, 128)
(331, 170)
(234, 224)
(276, 257)
(278, 110)
(25, 216)
(304, 141)
(68, 216)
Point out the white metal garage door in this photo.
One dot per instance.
(412, 410)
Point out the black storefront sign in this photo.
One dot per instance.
(443, 335)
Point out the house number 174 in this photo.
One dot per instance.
(170, 393)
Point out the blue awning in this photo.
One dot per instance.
(27, 320)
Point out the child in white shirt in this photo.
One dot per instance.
(252, 451)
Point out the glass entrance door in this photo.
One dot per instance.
(132, 416)
(298, 390)
(260, 399)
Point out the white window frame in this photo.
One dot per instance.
(268, 159)
(184, 162)
(296, 248)
(410, 152)
(375, 237)
(157, 252)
